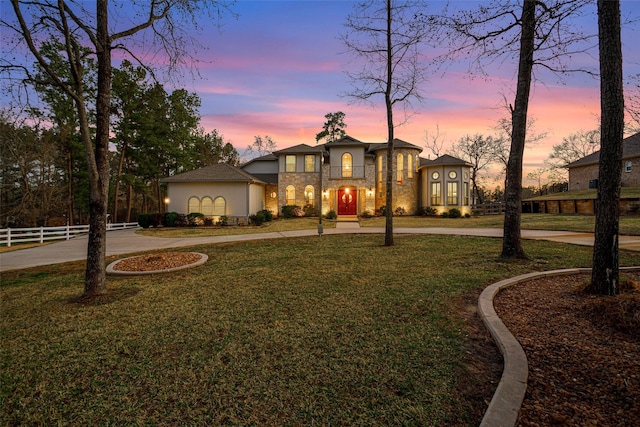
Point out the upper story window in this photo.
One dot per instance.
(410, 166)
(290, 163)
(309, 163)
(347, 165)
(627, 166)
(400, 168)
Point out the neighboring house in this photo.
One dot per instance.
(583, 173)
(347, 176)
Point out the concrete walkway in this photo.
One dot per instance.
(120, 242)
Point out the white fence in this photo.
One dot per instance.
(10, 236)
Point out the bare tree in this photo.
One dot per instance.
(434, 142)
(477, 150)
(537, 31)
(260, 147)
(605, 272)
(572, 148)
(79, 28)
(385, 40)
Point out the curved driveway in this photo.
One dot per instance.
(121, 242)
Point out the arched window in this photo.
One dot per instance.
(400, 168)
(194, 205)
(409, 166)
(290, 195)
(309, 195)
(207, 206)
(347, 165)
(219, 206)
(379, 171)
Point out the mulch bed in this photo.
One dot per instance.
(583, 351)
(157, 262)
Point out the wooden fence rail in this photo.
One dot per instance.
(9, 236)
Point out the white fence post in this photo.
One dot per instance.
(66, 235)
(9, 237)
(41, 234)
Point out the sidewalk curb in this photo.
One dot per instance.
(506, 401)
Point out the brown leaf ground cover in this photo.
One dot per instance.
(157, 261)
(583, 351)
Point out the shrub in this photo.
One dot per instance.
(144, 220)
(455, 213)
(400, 211)
(261, 217)
(169, 219)
(382, 211)
(156, 219)
(426, 211)
(366, 214)
(444, 214)
(287, 210)
(309, 210)
(224, 220)
(331, 215)
(195, 219)
(467, 215)
(208, 221)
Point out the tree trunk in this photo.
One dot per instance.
(605, 273)
(388, 229)
(512, 241)
(95, 282)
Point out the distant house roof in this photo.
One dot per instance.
(220, 172)
(444, 160)
(630, 148)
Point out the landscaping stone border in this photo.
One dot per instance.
(113, 272)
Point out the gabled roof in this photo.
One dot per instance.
(300, 148)
(444, 160)
(266, 158)
(630, 148)
(344, 141)
(269, 178)
(220, 172)
(397, 143)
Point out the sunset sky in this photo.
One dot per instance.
(279, 68)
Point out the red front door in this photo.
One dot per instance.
(347, 202)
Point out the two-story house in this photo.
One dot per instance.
(347, 176)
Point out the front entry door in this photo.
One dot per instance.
(347, 202)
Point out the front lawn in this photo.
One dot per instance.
(308, 331)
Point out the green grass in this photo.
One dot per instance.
(308, 331)
(629, 225)
(625, 192)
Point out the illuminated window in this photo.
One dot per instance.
(290, 195)
(400, 168)
(207, 206)
(436, 194)
(410, 166)
(380, 172)
(452, 193)
(347, 165)
(309, 195)
(194, 205)
(466, 193)
(290, 163)
(309, 163)
(219, 206)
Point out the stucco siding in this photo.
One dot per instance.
(234, 194)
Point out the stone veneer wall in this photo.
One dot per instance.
(405, 195)
(299, 180)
